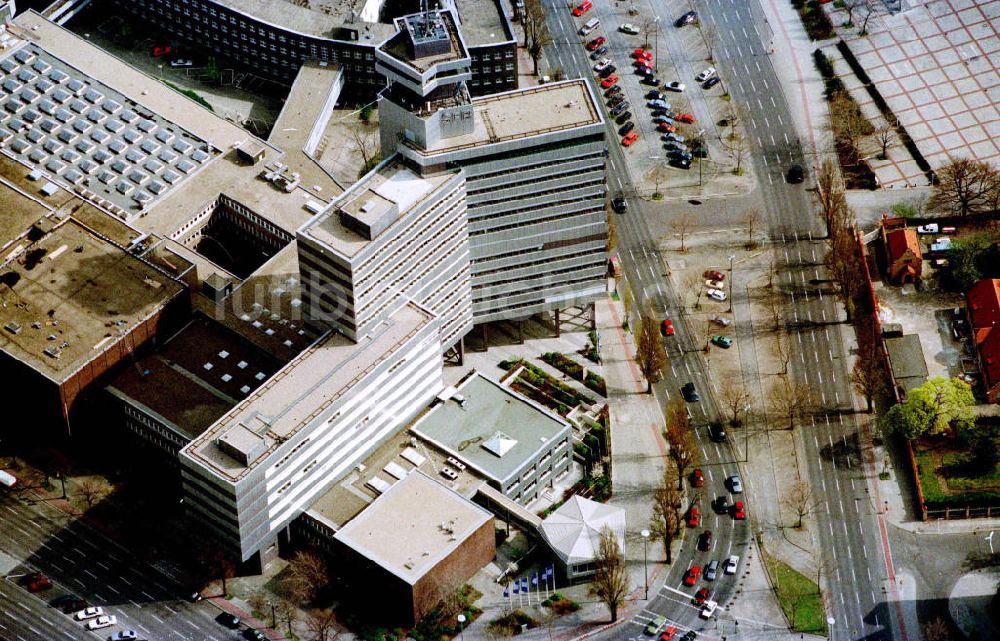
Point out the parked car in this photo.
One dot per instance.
(697, 478)
(67, 602)
(705, 541)
(625, 117)
(162, 50)
(606, 72)
(701, 596)
(596, 42)
(655, 624)
(619, 205)
(629, 28)
(646, 72)
(39, 583)
(705, 75)
(124, 635)
(642, 54)
(655, 94)
(231, 621)
(679, 154)
(699, 152)
(716, 432)
(694, 516)
(254, 635)
(642, 62)
(722, 341)
(692, 575)
(929, 228)
(708, 610)
(600, 51)
(739, 511)
(182, 62)
(729, 567)
(689, 393)
(734, 484)
(662, 118)
(721, 504)
(674, 86)
(686, 118)
(675, 145)
(658, 104)
(616, 100)
(720, 320)
(583, 8)
(712, 570)
(667, 327)
(629, 138)
(610, 80)
(105, 621)
(668, 633)
(602, 65)
(89, 613)
(680, 163)
(626, 128)
(711, 82)
(686, 19)
(674, 138)
(667, 127)
(613, 91)
(796, 174)
(714, 274)
(651, 80)
(716, 294)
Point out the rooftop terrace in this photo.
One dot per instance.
(320, 18)
(483, 22)
(71, 295)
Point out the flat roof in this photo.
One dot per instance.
(906, 357)
(523, 113)
(415, 524)
(317, 17)
(83, 294)
(483, 22)
(401, 45)
(380, 199)
(199, 375)
(494, 430)
(304, 387)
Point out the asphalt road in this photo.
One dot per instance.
(36, 536)
(850, 534)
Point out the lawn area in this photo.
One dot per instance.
(942, 481)
(799, 598)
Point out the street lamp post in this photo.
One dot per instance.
(656, 46)
(731, 259)
(645, 565)
(461, 626)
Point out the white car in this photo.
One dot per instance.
(735, 484)
(103, 622)
(674, 86)
(705, 75)
(716, 294)
(602, 65)
(708, 609)
(124, 635)
(629, 28)
(929, 228)
(720, 320)
(89, 613)
(711, 284)
(729, 567)
(181, 62)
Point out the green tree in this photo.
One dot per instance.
(966, 259)
(932, 408)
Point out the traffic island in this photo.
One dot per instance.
(800, 597)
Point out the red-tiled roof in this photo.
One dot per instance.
(989, 353)
(983, 300)
(899, 240)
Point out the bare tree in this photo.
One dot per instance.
(366, 142)
(259, 605)
(682, 225)
(869, 11)
(868, 376)
(612, 231)
(800, 500)
(307, 575)
(649, 352)
(849, 124)
(736, 401)
(287, 612)
(322, 625)
(92, 491)
(710, 34)
(667, 502)
(221, 567)
(851, 6)
(885, 133)
(963, 187)
(791, 400)
(695, 284)
(738, 149)
(936, 630)
(650, 25)
(628, 302)
(541, 39)
(751, 218)
(784, 352)
(830, 191)
(680, 439)
(611, 580)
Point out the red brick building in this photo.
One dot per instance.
(983, 308)
(902, 250)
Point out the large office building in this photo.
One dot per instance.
(534, 164)
(274, 37)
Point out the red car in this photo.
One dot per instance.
(630, 138)
(739, 511)
(669, 633)
(640, 53)
(714, 274)
(596, 42)
(666, 127)
(162, 50)
(645, 64)
(610, 80)
(584, 7)
(667, 327)
(39, 583)
(697, 478)
(694, 516)
(701, 596)
(688, 118)
(692, 575)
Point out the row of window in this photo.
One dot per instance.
(496, 55)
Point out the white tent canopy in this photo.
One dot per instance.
(574, 530)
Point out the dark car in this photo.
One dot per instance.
(711, 82)
(679, 154)
(680, 163)
(620, 205)
(254, 635)
(721, 504)
(686, 19)
(651, 80)
(612, 91)
(194, 597)
(619, 108)
(625, 117)
(705, 541)
(231, 621)
(615, 100)
(690, 393)
(717, 432)
(599, 52)
(700, 152)
(645, 71)
(627, 127)
(607, 71)
(68, 603)
(796, 174)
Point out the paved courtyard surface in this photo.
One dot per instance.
(938, 67)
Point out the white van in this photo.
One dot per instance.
(590, 25)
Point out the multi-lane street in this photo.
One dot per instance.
(850, 534)
(35, 536)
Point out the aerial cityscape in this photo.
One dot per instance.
(439, 320)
